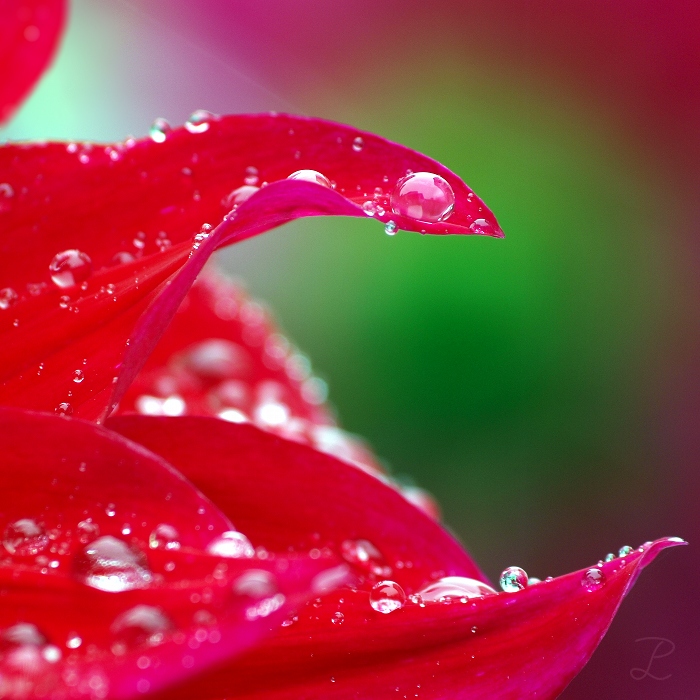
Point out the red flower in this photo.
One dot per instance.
(122, 572)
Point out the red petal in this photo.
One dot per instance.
(29, 33)
(222, 356)
(80, 487)
(140, 197)
(284, 495)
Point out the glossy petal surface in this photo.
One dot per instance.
(29, 33)
(510, 645)
(93, 604)
(137, 211)
(222, 356)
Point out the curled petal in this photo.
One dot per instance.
(102, 243)
(29, 33)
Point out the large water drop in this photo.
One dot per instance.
(513, 579)
(423, 196)
(310, 176)
(25, 538)
(451, 587)
(112, 565)
(231, 544)
(70, 267)
(593, 579)
(387, 596)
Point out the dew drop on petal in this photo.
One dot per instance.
(25, 537)
(109, 564)
(199, 121)
(423, 196)
(609, 556)
(142, 624)
(310, 176)
(364, 555)
(8, 298)
(513, 579)
(164, 536)
(6, 194)
(251, 176)
(337, 618)
(231, 544)
(593, 579)
(159, 130)
(357, 144)
(390, 228)
(386, 597)
(70, 267)
(239, 195)
(63, 409)
(256, 583)
(454, 587)
(624, 551)
(78, 376)
(87, 531)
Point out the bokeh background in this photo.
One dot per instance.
(545, 388)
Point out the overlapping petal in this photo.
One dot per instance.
(147, 214)
(29, 34)
(117, 576)
(507, 645)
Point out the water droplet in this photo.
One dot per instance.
(159, 130)
(87, 531)
(454, 587)
(164, 536)
(25, 537)
(364, 555)
(63, 409)
(109, 564)
(593, 579)
(143, 624)
(251, 176)
(8, 297)
(370, 208)
(232, 544)
(239, 195)
(387, 596)
(357, 144)
(70, 267)
(481, 227)
(310, 176)
(111, 510)
(78, 376)
(390, 228)
(624, 551)
(513, 579)
(337, 618)
(256, 583)
(271, 413)
(199, 121)
(423, 196)
(609, 556)
(74, 641)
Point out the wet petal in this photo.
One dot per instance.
(222, 356)
(509, 645)
(102, 243)
(118, 598)
(29, 33)
(286, 495)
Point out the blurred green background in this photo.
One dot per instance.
(528, 383)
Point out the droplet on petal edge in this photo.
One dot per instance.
(159, 130)
(310, 176)
(70, 267)
(593, 579)
(513, 579)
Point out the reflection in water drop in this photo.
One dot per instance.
(159, 130)
(112, 565)
(451, 587)
(70, 267)
(386, 597)
(593, 579)
(513, 579)
(423, 196)
(310, 176)
(25, 537)
(8, 298)
(231, 544)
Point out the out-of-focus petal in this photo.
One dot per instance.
(29, 34)
(285, 495)
(127, 228)
(116, 575)
(222, 356)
